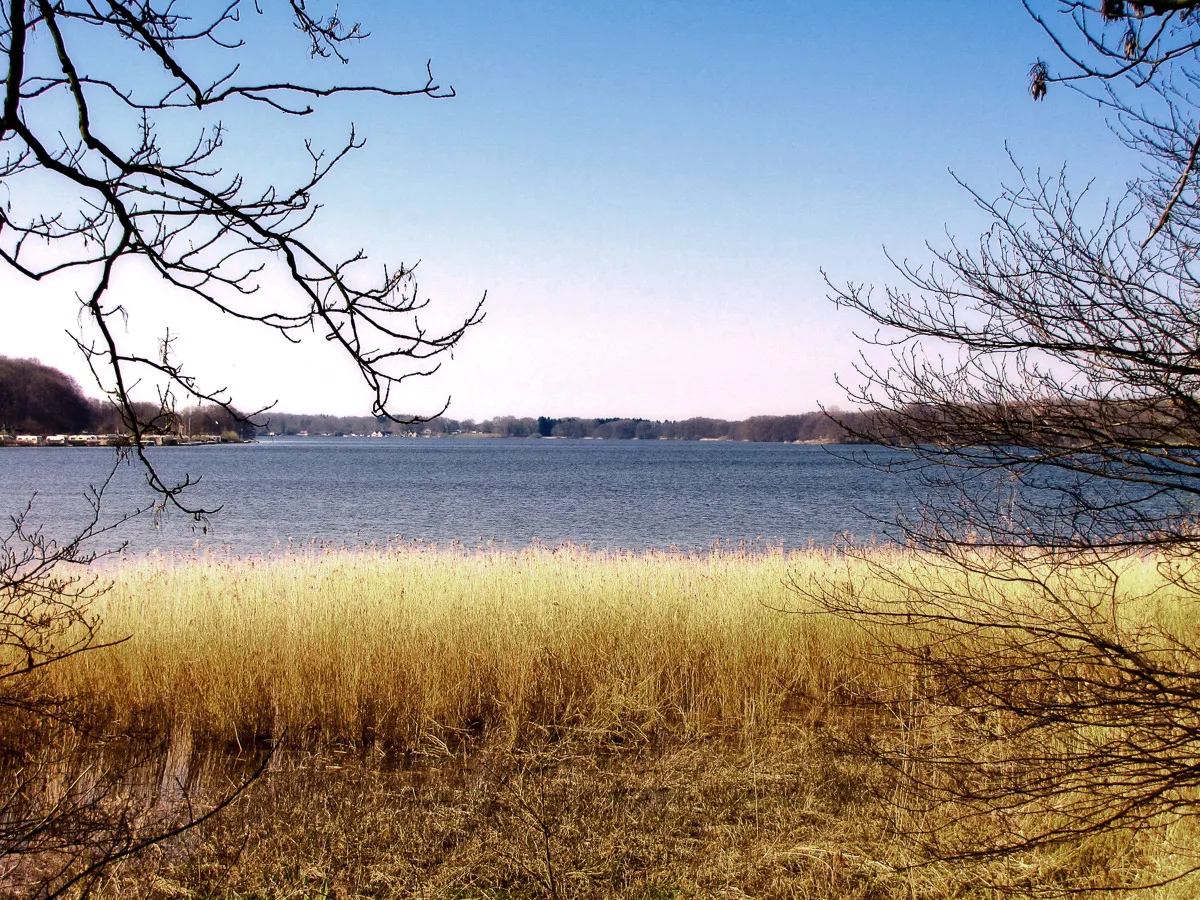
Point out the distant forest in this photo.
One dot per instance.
(39, 399)
(812, 426)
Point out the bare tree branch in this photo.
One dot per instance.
(1043, 385)
(184, 215)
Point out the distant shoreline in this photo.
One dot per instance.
(113, 440)
(84, 441)
(555, 437)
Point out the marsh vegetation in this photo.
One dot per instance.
(562, 723)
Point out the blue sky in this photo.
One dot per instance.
(646, 191)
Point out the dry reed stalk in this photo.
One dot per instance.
(406, 646)
(567, 666)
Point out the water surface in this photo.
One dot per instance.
(356, 491)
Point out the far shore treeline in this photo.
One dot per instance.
(812, 426)
(39, 399)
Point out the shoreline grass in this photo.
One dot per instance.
(546, 722)
(411, 646)
(407, 646)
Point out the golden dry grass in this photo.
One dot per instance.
(410, 647)
(547, 723)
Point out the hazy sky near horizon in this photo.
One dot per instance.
(647, 192)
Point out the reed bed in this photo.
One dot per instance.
(411, 646)
(638, 725)
(415, 646)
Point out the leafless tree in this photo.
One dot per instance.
(70, 798)
(1041, 385)
(113, 159)
(93, 186)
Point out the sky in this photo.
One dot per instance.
(647, 193)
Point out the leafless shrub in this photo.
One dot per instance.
(91, 193)
(1042, 387)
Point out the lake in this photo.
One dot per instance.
(359, 491)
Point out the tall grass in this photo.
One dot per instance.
(410, 646)
(545, 654)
